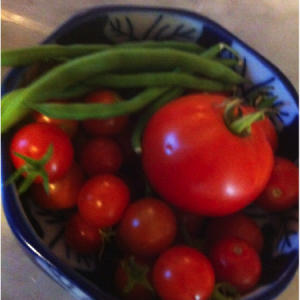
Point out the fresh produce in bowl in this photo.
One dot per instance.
(173, 133)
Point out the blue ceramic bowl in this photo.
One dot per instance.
(40, 231)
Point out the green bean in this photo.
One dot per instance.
(82, 111)
(147, 114)
(12, 111)
(78, 90)
(67, 75)
(172, 44)
(44, 52)
(157, 79)
(30, 55)
(132, 60)
(213, 51)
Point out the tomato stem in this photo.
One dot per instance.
(225, 291)
(32, 168)
(136, 274)
(238, 123)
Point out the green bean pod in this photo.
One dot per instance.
(77, 70)
(44, 52)
(153, 79)
(82, 111)
(130, 60)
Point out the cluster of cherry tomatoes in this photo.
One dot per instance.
(160, 246)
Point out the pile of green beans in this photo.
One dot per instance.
(157, 67)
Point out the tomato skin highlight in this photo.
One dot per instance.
(33, 140)
(183, 273)
(195, 162)
(235, 261)
(102, 200)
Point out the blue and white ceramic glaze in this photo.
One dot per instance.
(41, 232)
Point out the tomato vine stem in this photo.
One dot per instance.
(238, 123)
(32, 168)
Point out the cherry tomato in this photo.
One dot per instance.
(147, 228)
(282, 190)
(82, 237)
(103, 200)
(183, 273)
(70, 127)
(101, 155)
(133, 279)
(195, 162)
(236, 262)
(63, 193)
(105, 127)
(33, 140)
(238, 225)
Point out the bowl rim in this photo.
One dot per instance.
(25, 234)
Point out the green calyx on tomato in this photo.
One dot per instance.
(238, 123)
(225, 291)
(137, 274)
(32, 168)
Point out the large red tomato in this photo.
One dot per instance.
(194, 161)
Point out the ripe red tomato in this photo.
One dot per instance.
(267, 126)
(238, 225)
(104, 127)
(81, 236)
(183, 273)
(147, 228)
(33, 140)
(63, 193)
(195, 162)
(103, 200)
(270, 132)
(70, 127)
(282, 190)
(101, 155)
(236, 262)
(133, 279)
